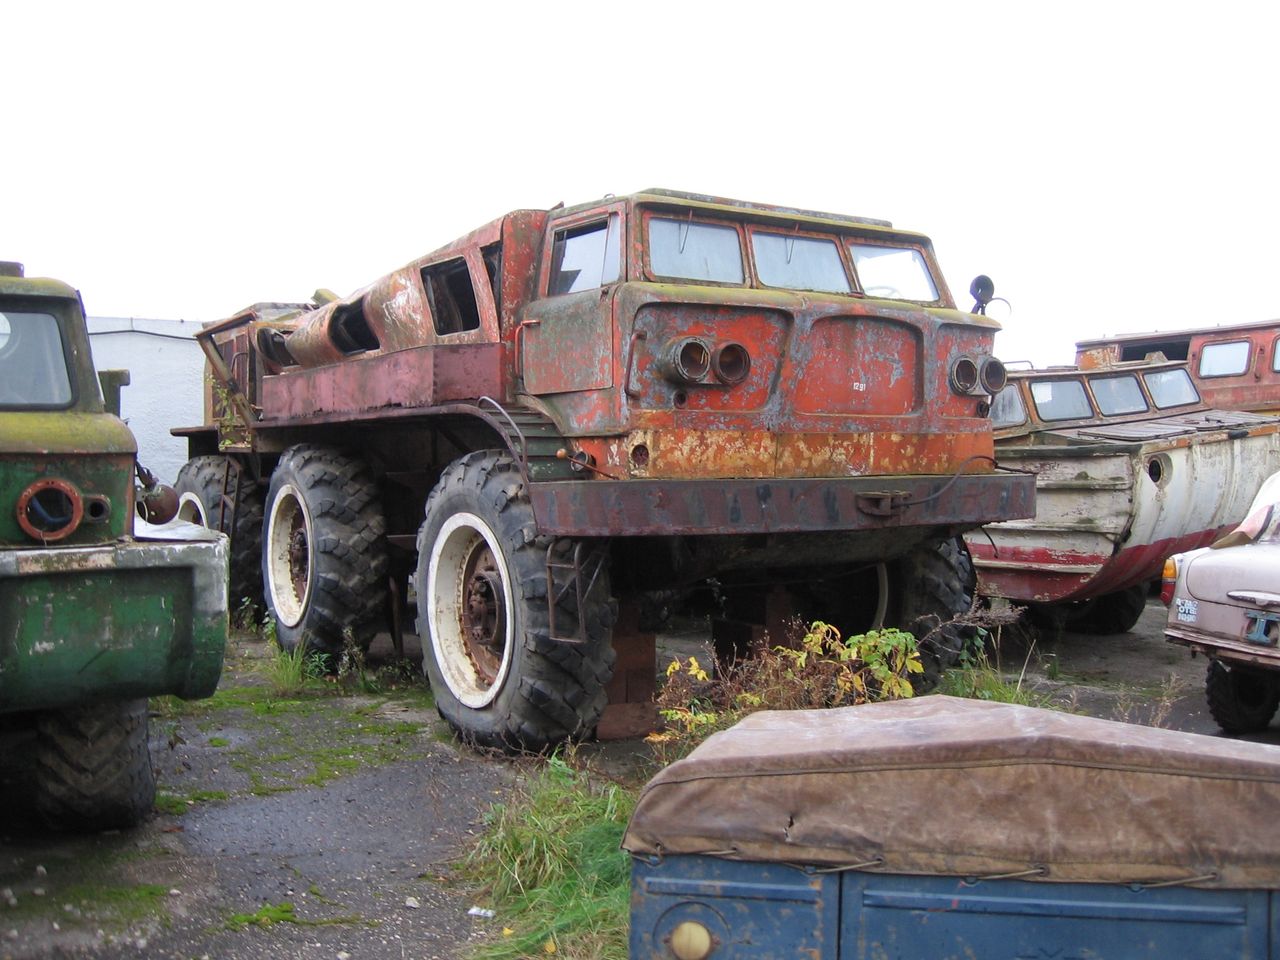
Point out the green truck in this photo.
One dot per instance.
(99, 608)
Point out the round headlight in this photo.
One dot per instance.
(731, 363)
(993, 375)
(50, 510)
(686, 360)
(964, 375)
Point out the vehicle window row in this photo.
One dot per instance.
(588, 256)
(1115, 395)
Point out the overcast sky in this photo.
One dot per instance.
(1113, 167)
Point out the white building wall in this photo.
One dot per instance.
(166, 368)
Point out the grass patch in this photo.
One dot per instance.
(94, 904)
(219, 742)
(981, 676)
(175, 806)
(288, 672)
(549, 862)
(270, 914)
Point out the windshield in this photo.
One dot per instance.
(1007, 409)
(1061, 400)
(799, 263)
(1118, 395)
(1171, 388)
(33, 368)
(694, 251)
(896, 273)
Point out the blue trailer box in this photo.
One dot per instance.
(942, 828)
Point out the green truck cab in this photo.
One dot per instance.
(99, 609)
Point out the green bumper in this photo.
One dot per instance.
(134, 618)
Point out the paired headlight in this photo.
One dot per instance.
(974, 376)
(692, 360)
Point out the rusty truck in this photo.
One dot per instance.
(99, 608)
(553, 425)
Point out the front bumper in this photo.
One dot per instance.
(620, 508)
(119, 621)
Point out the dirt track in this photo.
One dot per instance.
(351, 808)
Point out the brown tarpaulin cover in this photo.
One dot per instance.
(940, 785)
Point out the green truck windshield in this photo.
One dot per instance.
(33, 366)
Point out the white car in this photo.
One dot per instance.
(1224, 602)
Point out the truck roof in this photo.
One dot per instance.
(726, 205)
(1156, 335)
(14, 284)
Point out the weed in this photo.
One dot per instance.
(353, 674)
(245, 617)
(819, 669)
(1149, 707)
(549, 860)
(290, 671)
(980, 677)
(219, 742)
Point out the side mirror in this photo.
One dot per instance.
(112, 381)
(983, 292)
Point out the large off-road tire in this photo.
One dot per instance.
(498, 678)
(93, 768)
(199, 487)
(324, 553)
(932, 585)
(1241, 699)
(1110, 613)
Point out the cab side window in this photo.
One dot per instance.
(1224, 359)
(450, 297)
(586, 257)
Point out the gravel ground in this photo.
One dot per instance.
(351, 808)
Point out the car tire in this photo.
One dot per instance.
(1241, 699)
(1110, 613)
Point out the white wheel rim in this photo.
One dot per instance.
(288, 552)
(451, 580)
(191, 509)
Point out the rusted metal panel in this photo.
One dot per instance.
(874, 367)
(1107, 517)
(419, 377)
(574, 349)
(675, 507)
(688, 453)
